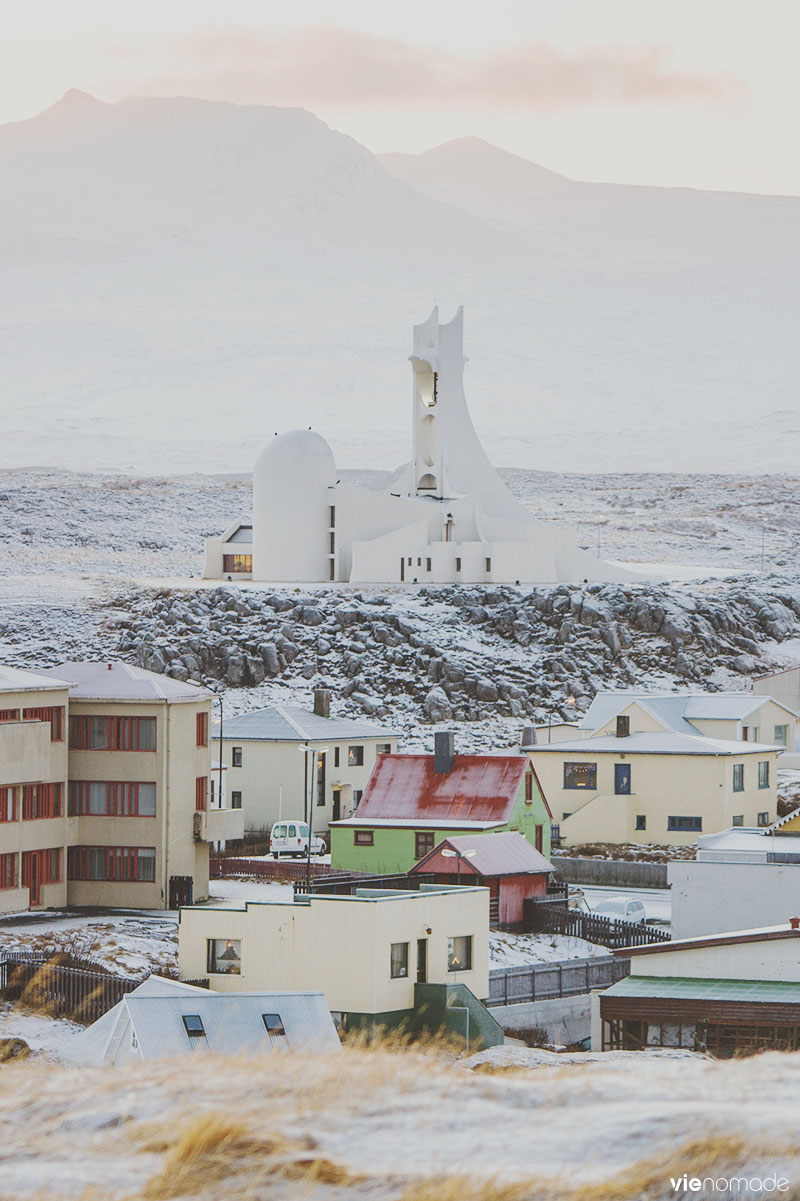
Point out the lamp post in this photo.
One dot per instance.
(459, 855)
(309, 803)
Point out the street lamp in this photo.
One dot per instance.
(309, 803)
(448, 854)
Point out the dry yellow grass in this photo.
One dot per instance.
(209, 1149)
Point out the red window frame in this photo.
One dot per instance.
(122, 864)
(200, 793)
(122, 798)
(8, 804)
(202, 729)
(49, 864)
(8, 870)
(9, 714)
(529, 786)
(54, 714)
(122, 733)
(538, 836)
(41, 801)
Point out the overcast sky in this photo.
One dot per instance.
(702, 93)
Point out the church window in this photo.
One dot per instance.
(488, 564)
(427, 565)
(458, 564)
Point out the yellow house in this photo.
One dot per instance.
(731, 716)
(655, 787)
(368, 953)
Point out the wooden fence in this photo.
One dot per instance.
(287, 870)
(547, 918)
(548, 981)
(63, 991)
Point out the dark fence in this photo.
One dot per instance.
(61, 990)
(549, 981)
(543, 917)
(346, 883)
(268, 869)
(613, 873)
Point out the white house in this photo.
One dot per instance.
(734, 716)
(445, 517)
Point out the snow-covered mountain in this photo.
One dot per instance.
(181, 277)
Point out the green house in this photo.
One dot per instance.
(412, 802)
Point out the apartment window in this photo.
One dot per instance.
(236, 756)
(580, 775)
(424, 841)
(685, 823)
(781, 735)
(738, 777)
(383, 748)
(357, 795)
(399, 960)
(355, 756)
(200, 790)
(112, 733)
(232, 564)
(9, 714)
(529, 786)
(458, 564)
(47, 870)
(763, 819)
(363, 838)
(336, 756)
(8, 871)
(763, 774)
(130, 864)
(236, 800)
(224, 956)
(202, 729)
(273, 1024)
(40, 801)
(8, 804)
(459, 953)
(112, 798)
(55, 715)
(738, 819)
(641, 821)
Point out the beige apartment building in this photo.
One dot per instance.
(127, 823)
(282, 760)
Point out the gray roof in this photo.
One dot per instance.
(14, 679)
(113, 680)
(507, 853)
(290, 723)
(675, 710)
(654, 743)
(90, 1046)
(233, 1022)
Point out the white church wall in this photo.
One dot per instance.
(291, 508)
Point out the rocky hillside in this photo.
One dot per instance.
(470, 654)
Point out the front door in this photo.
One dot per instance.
(337, 804)
(622, 779)
(422, 961)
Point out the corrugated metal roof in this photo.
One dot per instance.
(693, 989)
(14, 679)
(290, 723)
(674, 710)
(418, 823)
(115, 681)
(233, 1022)
(478, 788)
(507, 853)
(90, 1046)
(654, 743)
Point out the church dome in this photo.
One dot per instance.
(291, 507)
(297, 454)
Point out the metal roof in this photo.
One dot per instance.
(418, 823)
(507, 853)
(14, 679)
(786, 992)
(703, 942)
(654, 743)
(90, 1046)
(113, 680)
(232, 1022)
(477, 788)
(675, 710)
(290, 723)
(747, 839)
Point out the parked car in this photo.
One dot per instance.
(622, 909)
(291, 838)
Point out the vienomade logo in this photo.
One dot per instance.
(732, 1186)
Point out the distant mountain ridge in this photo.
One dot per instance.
(184, 277)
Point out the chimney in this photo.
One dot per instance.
(322, 702)
(444, 752)
(623, 726)
(528, 736)
(794, 922)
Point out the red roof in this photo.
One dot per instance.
(507, 853)
(478, 788)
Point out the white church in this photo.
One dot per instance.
(446, 517)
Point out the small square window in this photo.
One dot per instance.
(763, 818)
(424, 841)
(355, 756)
(236, 756)
(363, 838)
(236, 800)
(193, 1024)
(459, 953)
(580, 775)
(738, 819)
(225, 956)
(383, 748)
(641, 821)
(399, 960)
(273, 1024)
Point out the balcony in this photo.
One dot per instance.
(218, 825)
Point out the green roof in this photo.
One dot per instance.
(781, 992)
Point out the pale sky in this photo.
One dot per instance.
(703, 93)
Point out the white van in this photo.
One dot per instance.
(291, 838)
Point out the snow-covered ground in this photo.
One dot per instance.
(515, 950)
(47, 1036)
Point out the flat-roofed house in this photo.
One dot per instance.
(727, 994)
(33, 790)
(270, 776)
(412, 802)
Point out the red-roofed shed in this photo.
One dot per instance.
(505, 863)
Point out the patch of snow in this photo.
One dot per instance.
(515, 950)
